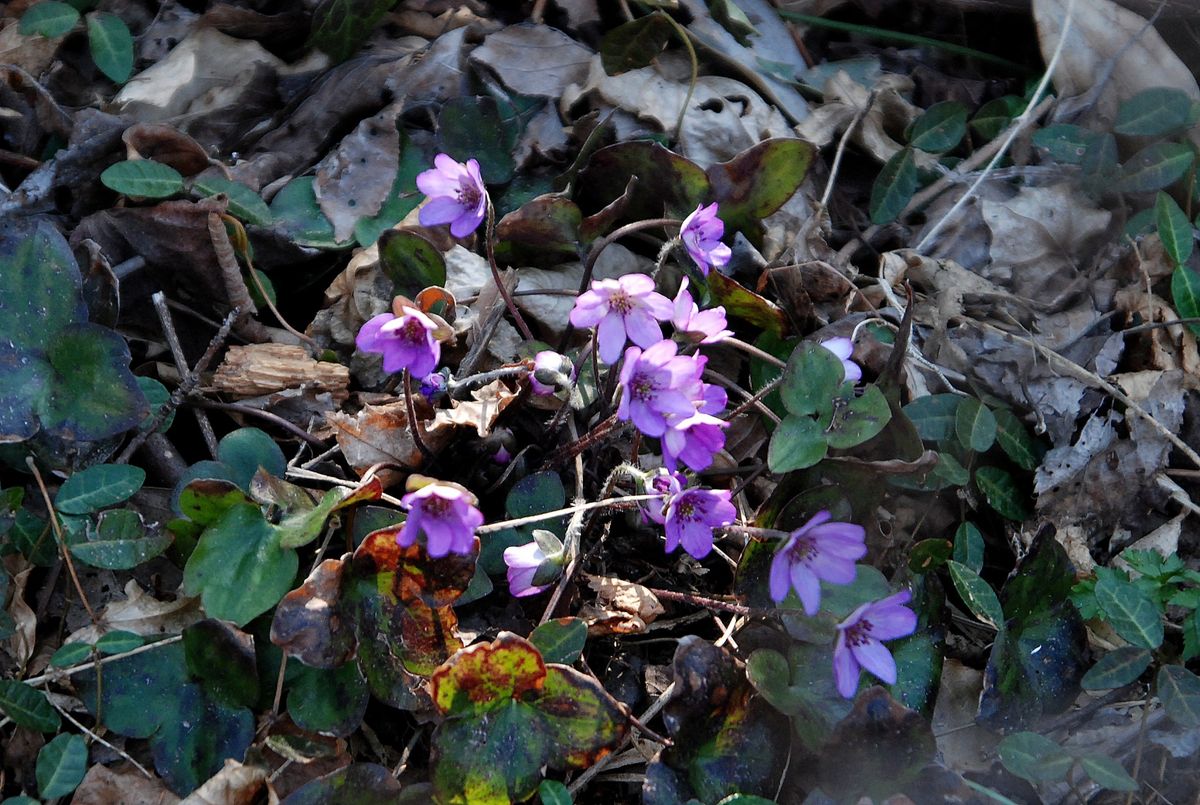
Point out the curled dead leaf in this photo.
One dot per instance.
(143, 614)
(235, 784)
(621, 607)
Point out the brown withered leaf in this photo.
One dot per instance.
(479, 413)
(235, 784)
(355, 178)
(105, 785)
(534, 59)
(621, 607)
(380, 434)
(143, 614)
(165, 144)
(310, 623)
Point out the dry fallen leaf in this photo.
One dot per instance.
(354, 179)
(480, 413)
(534, 59)
(23, 641)
(143, 614)
(377, 434)
(845, 98)
(235, 784)
(121, 785)
(621, 607)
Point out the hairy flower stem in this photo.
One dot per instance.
(490, 240)
(582, 443)
(414, 427)
(707, 603)
(754, 351)
(627, 502)
(486, 377)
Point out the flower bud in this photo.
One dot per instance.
(552, 373)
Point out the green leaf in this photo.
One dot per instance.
(61, 765)
(667, 182)
(811, 380)
(995, 115)
(49, 18)
(244, 203)
(929, 554)
(1065, 143)
(142, 178)
(940, 128)
(1129, 611)
(560, 640)
(98, 487)
(1107, 773)
(975, 425)
(238, 568)
(976, 594)
(1117, 668)
(329, 701)
(894, 187)
(968, 546)
(635, 44)
(1154, 112)
(111, 46)
(742, 303)
(339, 27)
(118, 642)
(27, 706)
(757, 182)
(1154, 167)
(222, 659)
(1033, 757)
(538, 493)
(402, 199)
(298, 216)
(1179, 692)
(1174, 229)
(480, 128)
(1001, 492)
(1185, 293)
(119, 541)
(934, 415)
(1015, 440)
(541, 232)
(859, 420)
(70, 654)
(245, 450)
(157, 396)
(797, 443)
(552, 792)
(411, 262)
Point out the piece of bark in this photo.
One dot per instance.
(256, 369)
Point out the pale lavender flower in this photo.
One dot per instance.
(447, 515)
(690, 515)
(625, 307)
(407, 341)
(859, 641)
(694, 441)
(843, 348)
(551, 373)
(659, 385)
(456, 195)
(701, 234)
(523, 562)
(707, 327)
(816, 551)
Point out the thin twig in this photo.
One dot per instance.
(62, 543)
(88, 732)
(841, 148)
(414, 427)
(702, 601)
(231, 275)
(164, 317)
(267, 416)
(612, 503)
(682, 33)
(88, 666)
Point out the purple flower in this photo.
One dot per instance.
(551, 373)
(694, 441)
(690, 515)
(625, 307)
(456, 195)
(843, 348)
(859, 641)
(433, 385)
(446, 513)
(406, 341)
(659, 385)
(701, 235)
(523, 562)
(707, 327)
(816, 551)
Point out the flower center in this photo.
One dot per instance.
(469, 195)
(644, 387)
(804, 550)
(436, 506)
(858, 633)
(621, 302)
(685, 509)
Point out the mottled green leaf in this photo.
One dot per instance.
(1179, 692)
(411, 261)
(1154, 167)
(976, 594)
(1174, 229)
(934, 415)
(480, 128)
(811, 380)
(1117, 668)
(97, 487)
(1185, 293)
(975, 425)
(244, 203)
(1034, 757)
(118, 541)
(1065, 142)
(329, 701)
(758, 181)
(1016, 442)
(968, 546)
(939, 128)
(222, 658)
(1130, 612)
(27, 706)
(299, 218)
(245, 450)
(857, 419)
(560, 640)
(1154, 112)
(1001, 492)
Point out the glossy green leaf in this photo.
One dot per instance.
(560, 640)
(668, 183)
(635, 44)
(411, 262)
(156, 396)
(811, 380)
(205, 500)
(940, 128)
(61, 765)
(1117, 668)
(329, 701)
(118, 642)
(742, 303)
(1034, 757)
(538, 493)
(1179, 692)
(238, 567)
(245, 450)
(995, 116)
(49, 18)
(975, 425)
(1129, 610)
(483, 129)
(934, 415)
(552, 792)
(244, 203)
(27, 706)
(339, 27)
(1185, 293)
(976, 594)
(1154, 167)
(142, 178)
(1174, 229)
(969, 546)
(929, 554)
(1001, 492)
(1155, 112)
(894, 187)
(222, 659)
(797, 443)
(299, 218)
(1016, 441)
(859, 420)
(70, 654)
(119, 541)
(1107, 773)
(97, 487)
(111, 45)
